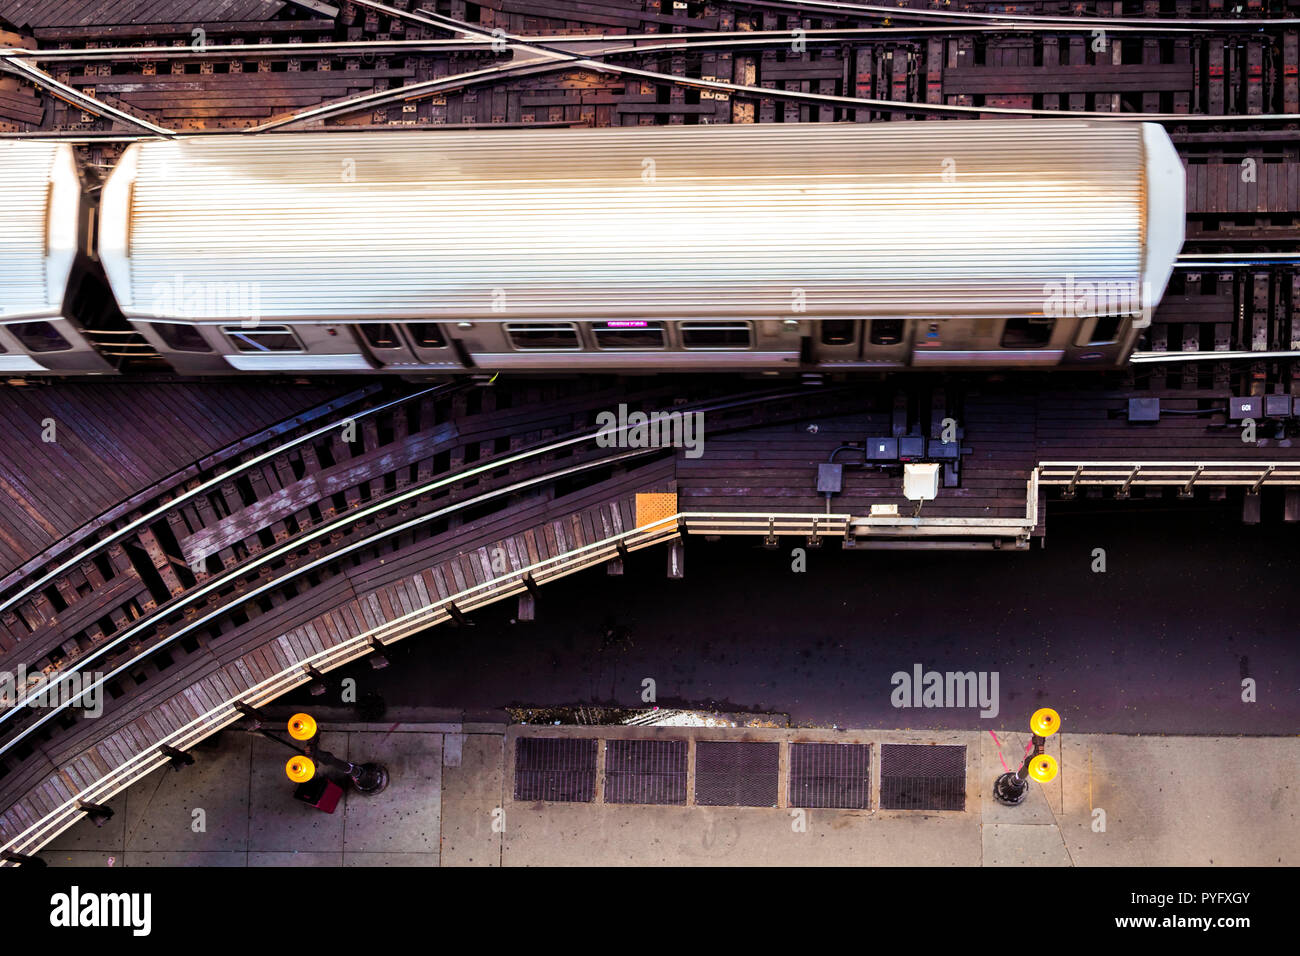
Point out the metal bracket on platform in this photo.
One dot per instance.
(1068, 492)
(1186, 491)
(378, 660)
(771, 540)
(98, 814)
(258, 717)
(814, 540)
(1254, 489)
(317, 686)
(176, 758)
(456, 614)
(1128, 482)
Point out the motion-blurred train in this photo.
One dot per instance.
(763, 248)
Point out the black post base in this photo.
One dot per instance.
(1009, 789)
(370, 778)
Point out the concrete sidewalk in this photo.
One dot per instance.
(1164, 801)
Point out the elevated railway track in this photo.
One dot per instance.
(501, 493)
(381, 513)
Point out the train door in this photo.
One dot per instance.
(887, 342)
(409, 346)
(861, 343)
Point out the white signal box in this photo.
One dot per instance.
(921, 481)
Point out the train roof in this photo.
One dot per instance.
(40, 194)
(948, 219)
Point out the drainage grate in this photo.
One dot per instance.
(736, 774)
(645, 771)
(830, 775)
(561, 769)
(914, 777)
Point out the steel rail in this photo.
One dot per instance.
(75, 96)
(435, 612)
(907, 13)
(413, 91)
(208, 485)
(564, 60)
(1208, 260)
(269, 688)
(279, 581)
(291, 545)
(548, 60)
(627, 42)
(1153, 358)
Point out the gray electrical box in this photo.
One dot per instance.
(1277, 406)
(830, 478)
(1144, 409)
(1248, 406)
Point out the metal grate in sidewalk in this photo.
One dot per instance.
(645, 771)
(736, 774)
(916, 777)
(830, 775)
(559, 769)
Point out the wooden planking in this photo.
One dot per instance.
(1220, 188)
(97, 747)
(111, 441)
(992, 80)
(313, 488)
(79, 13)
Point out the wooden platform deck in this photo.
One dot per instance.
(109, 442)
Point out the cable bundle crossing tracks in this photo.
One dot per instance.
(375, 63)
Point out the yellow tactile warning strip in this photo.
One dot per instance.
(652, 506)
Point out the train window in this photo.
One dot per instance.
(837, 331)
(39, 337)
(715, 335)
(629, 334)
(1027, 333)
(379, 335)
(555, 337)
(427, 335)
(886, 331)
(263, 338)
(182, 338)
(1104, 330)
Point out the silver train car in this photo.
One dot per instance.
(44, 265)
(758, 248)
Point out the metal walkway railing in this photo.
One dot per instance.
(1184, 475)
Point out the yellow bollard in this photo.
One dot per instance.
(302, 727)
(300, 769)
(1043, 768)
(1045, 722)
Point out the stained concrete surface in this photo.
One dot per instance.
(1166, 801)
